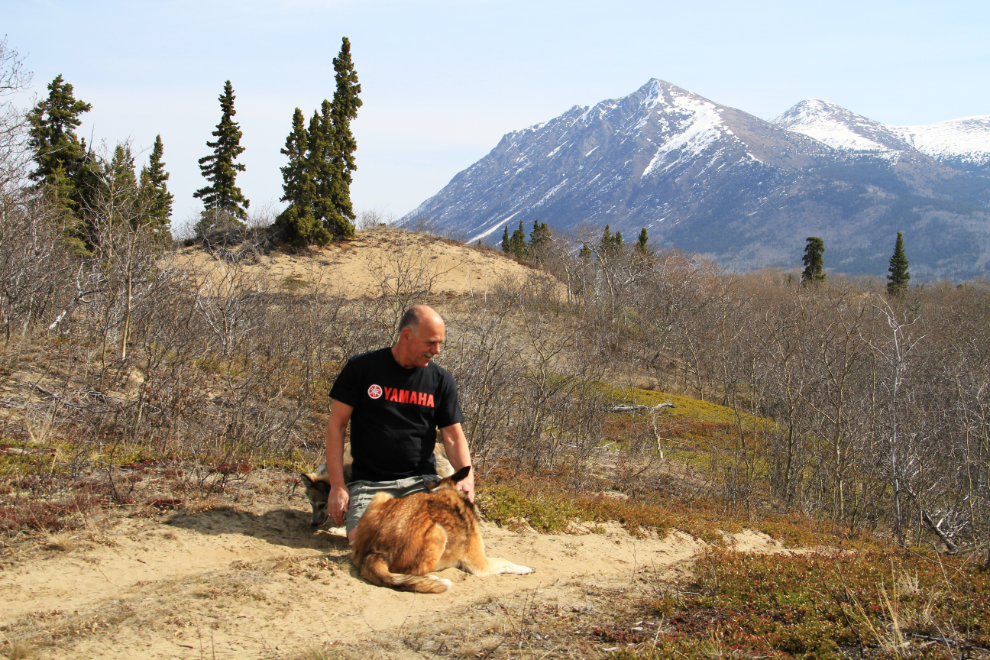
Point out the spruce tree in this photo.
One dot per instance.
(119, 179)
(340, 212)
(519, 247)
(814, 262)
(610, 245)
(222, 198)
(63, 165)
(898, 277)
(642, 243)
(298, 220)
(506, 241)
(156, 200)
(52, 136)
(319, 163)
(539, 240)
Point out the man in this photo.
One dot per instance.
(395, 399)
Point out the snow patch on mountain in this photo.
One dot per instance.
(831, 124)
(694, 121)
(966, 139)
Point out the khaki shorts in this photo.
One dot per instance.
(362, 492)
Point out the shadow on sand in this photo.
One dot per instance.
(286, 527)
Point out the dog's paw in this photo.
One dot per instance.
(517, 569)
(445, 582)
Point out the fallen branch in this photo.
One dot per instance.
(640, 407)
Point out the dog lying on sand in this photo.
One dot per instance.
(398, 542)
(317, 483)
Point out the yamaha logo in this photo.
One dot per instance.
(375, 391)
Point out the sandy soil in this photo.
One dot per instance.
(377, 258)
(253, 580)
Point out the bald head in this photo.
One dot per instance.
(416, 315)
(421, 332)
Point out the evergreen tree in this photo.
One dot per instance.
(317, 180)
(518, 246)
(64, 166)
(506, 241)
(339, 211)
(298, 220)
(319, 164)
(610, 245)
(52, 135)
(156, 200)
(585, 252)
(222, 198)
(539, 240)
(814, 262)
(119, 179)
(642, 243)
(898, 277)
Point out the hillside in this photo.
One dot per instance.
(373, 260)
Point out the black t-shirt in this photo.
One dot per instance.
(397, 412)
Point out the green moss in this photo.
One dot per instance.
(875, 603)
(294, 283)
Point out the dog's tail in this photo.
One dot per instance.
(374, 569)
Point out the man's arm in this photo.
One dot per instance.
(459, 455)
(340, 414)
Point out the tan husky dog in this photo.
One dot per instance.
(400, 541)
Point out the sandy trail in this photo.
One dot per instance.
(230, 582)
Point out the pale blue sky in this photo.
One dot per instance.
(443, 80)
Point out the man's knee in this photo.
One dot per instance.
(362, 492)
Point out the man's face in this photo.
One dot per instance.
(423, 342)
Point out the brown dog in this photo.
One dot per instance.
(400, 541)
(317, 484)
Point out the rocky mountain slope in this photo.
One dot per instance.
(709, 178)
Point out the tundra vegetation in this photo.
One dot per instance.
(834, 415)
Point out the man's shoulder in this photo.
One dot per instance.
(440, 372)
(371, 357)
(442, 378)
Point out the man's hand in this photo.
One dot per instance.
(467, 486)
(337, 505)
(340, 414)
(456, 446)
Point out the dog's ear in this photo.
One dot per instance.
(313, 481)
(451, 481)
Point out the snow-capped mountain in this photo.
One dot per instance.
(629, 160)
(839, 128)
(705, 177)
(959, 142)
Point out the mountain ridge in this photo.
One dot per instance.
(706, 177)
(965, 140)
